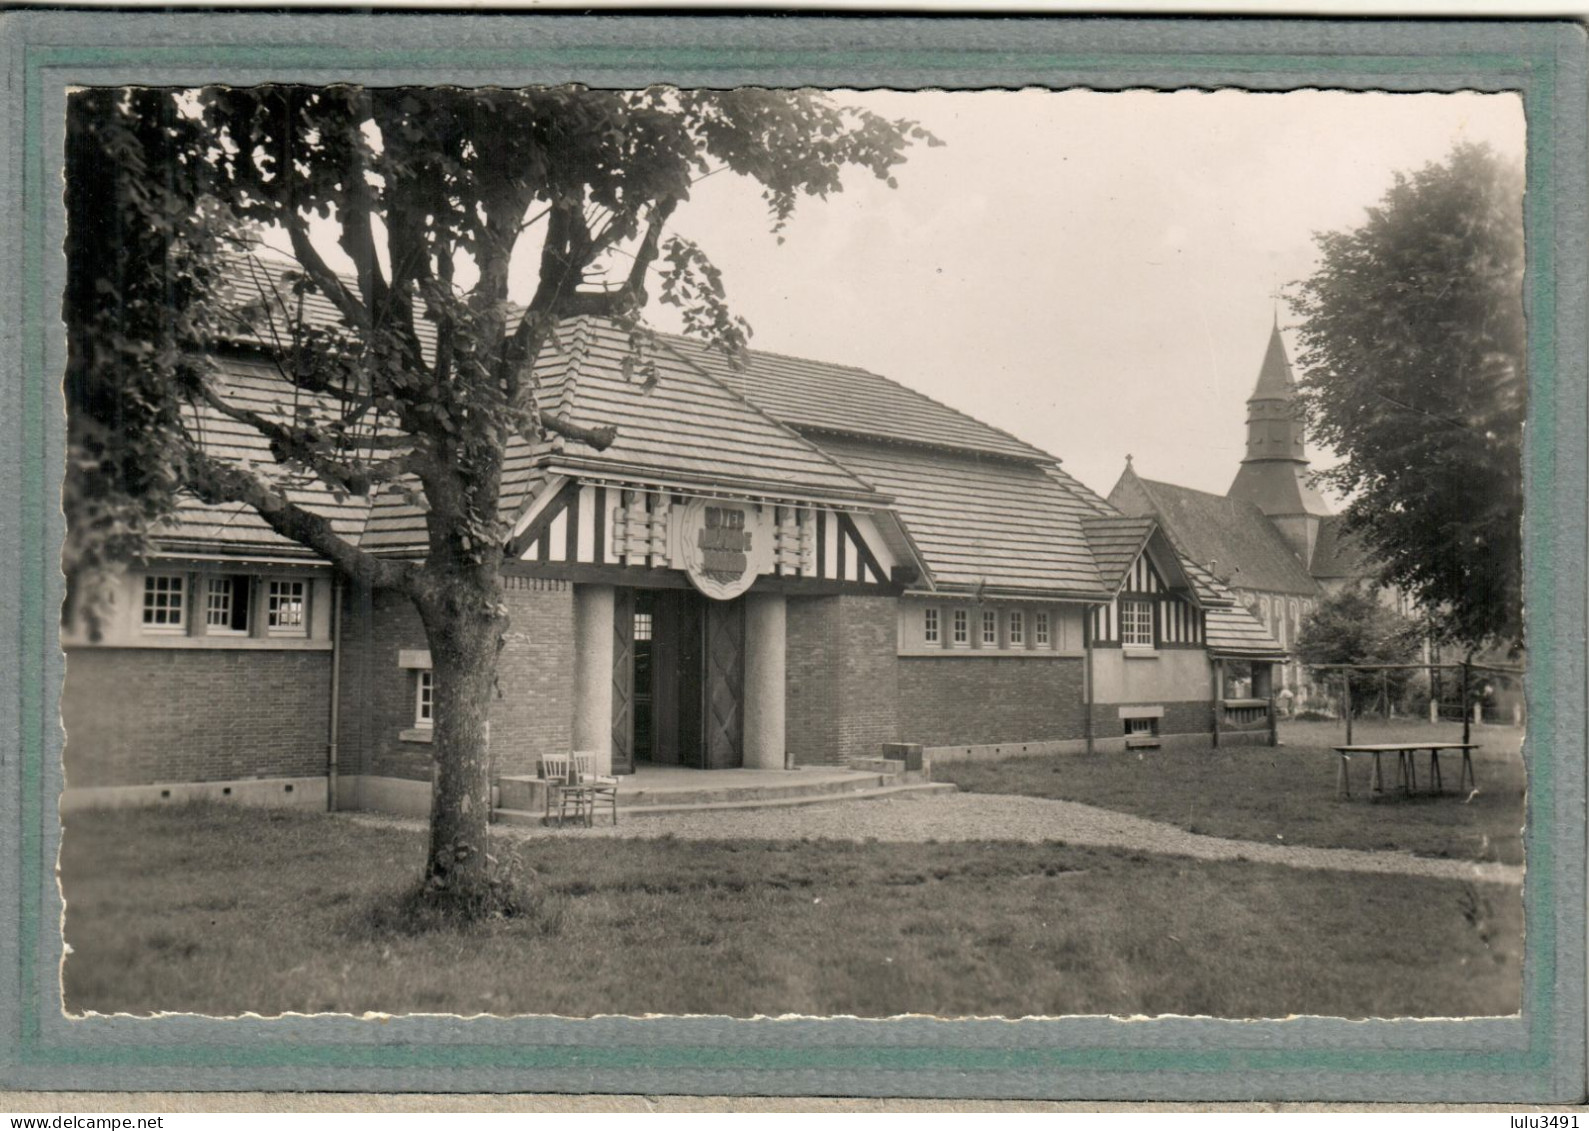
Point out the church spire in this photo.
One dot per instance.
(1274, 473)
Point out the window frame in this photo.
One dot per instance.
(305, 589)
(1015, 628)
(961, 634)
(424, 698)
(931, 625)
(230, 581)
(1131, 621)
(1042, 629)
(181, 589)
(989, 635)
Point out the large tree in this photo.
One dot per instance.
(427, 373)
(1353, 627)
(1414, 372)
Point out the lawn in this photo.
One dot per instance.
(225, 910)
(1286, 794)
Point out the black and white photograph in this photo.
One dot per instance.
(773, 552)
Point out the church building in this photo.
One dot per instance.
(1270, 538)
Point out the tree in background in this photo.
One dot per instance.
(1414, 372)
(1353, 627)
(432, 194)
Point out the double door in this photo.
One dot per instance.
(678, 680)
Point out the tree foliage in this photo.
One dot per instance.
(426, 372)
(1353, 627)
(1413, 352)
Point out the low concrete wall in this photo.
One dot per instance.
(1115, 744)
(397, 796)
(287, 793)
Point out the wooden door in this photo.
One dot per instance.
(665, 621)
(690, 672)
(623, 682)
(725, 684)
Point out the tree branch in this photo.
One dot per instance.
(300, 443)
(599, 438)
(214, 481)
(324, 279)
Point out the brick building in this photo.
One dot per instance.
(775, 567)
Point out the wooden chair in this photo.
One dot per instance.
(601, 787)
(562, 788)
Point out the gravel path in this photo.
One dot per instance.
(981, 816)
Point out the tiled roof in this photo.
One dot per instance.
(979, 521)
(1274, 376)
(1213, 529)
(820, 396)
(1233, 631)
(254, 385)
(689, 428)
(1336, 554)
(1115, 543)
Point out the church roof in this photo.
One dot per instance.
(1337, 554)
(1244, 547)
(1274, 376)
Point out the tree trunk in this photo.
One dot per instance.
(463, 625)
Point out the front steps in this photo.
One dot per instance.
(521, 799)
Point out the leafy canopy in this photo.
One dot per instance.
(1353, 627)
(1413, 352)
(423, 371)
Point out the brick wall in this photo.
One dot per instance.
(867, 666)
(138, 716)
(1195, 717)
(533, 716)
(811, 679)
(842, 681)
(535, 671)
(950, 701)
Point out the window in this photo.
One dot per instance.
(962, 628)
(286, 612)
(226, 605)
(163, 602)
(1017, 629)
(1140, 727)
(1040, 629)
(424, 700)
(642, 626)
(990, 628)
(1136, 624)
(930, 631)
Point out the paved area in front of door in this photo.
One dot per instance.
(983, 816)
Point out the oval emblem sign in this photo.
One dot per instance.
(717, 542)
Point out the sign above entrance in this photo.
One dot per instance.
(721, 546)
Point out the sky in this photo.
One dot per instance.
(1092, 272)
(1095, 273)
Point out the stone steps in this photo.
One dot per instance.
(524, 793)
(658, 809)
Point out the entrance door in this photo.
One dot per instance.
(688, 679)
(724, 696)
(625, 683)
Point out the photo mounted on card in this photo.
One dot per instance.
(637, 555)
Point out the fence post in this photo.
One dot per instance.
(1346, 702)
(1384, 691)
(1274, 723)
(1467, 715)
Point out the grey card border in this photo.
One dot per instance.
(1537, 1057)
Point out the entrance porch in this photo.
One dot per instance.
(654, 790)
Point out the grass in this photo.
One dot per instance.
(224, 910)
(1286, 794)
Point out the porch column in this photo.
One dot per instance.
(593, 632)
(765, 636)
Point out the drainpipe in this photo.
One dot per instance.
(336, 693)
(1086, 671)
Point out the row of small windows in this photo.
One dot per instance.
(995, 628)
(228, 605)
